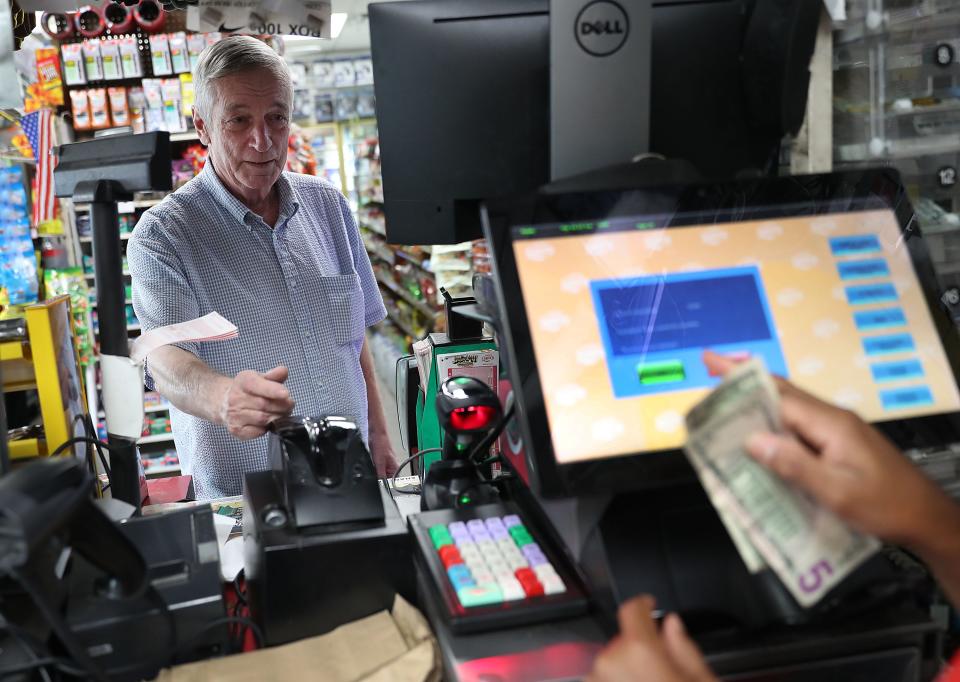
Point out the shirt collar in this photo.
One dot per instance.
(212, 182)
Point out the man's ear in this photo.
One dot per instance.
(201, 127)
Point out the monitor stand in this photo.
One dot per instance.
(670, 543)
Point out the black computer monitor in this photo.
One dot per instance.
(463, 101)
(608, 300)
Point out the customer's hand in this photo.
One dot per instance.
(252, 400)
(845, 464)
(639, 652)
(382, 453)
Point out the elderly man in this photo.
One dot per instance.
(278, 254)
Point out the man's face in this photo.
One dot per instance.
(246, 131)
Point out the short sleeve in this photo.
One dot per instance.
(374, 310)
(161, 293)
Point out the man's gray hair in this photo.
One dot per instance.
(236, 54)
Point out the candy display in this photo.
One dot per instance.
(71, 281)
(18, 261)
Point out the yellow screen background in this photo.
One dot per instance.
(818, 336)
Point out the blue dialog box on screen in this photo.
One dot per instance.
(655, 329)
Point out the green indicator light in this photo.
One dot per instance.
(603, 225)
(464, 499)
(528, 231)
(661, 372)
(576, 227)
(461, 446)
(646, 226)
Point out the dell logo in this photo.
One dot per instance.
(601, 28)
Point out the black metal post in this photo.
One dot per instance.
(103, 196)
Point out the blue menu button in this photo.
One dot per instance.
(863, 269)
(903, 398)
(854, 244)
(879, 319)
(893, 343)
(871, 293)
(895, 371)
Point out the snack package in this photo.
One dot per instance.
(119, 109)
(196, 42)
(130, 57)
(187, 93)
(363, 70)
(179, 57)
(48, 76)
(92, 61)
(322, 73)
(343, 73)
(172, 112)
(99, 108)
(160, 55)
(110, 55)
(80, 106)
(71, 281)
(73, 71)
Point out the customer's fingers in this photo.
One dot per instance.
(683, 652)
(636, 618)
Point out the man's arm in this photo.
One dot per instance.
(244, 404)
(380, 447)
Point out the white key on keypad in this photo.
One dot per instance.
(552, 584)
(511, 588)
(544, 571)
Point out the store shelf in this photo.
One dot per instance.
(395, 289)
(163, 469)
(159, 438)
(401, 325)
(14, 350)
(89, 275)
(422, 264)
(128, 301)
(136, 203)
(147, 409)
(88, 240)
(27, 447)
(188, 136)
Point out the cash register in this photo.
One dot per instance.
(606, 301)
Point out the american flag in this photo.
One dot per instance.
(38, 127)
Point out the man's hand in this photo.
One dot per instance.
(251, 401)
(382, 453)
(639, 652)
(846, 465)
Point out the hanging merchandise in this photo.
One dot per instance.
(160, 55)
(130, 57)
(59, 281)
(73, 69)
(179, 57)
(80, 107)
(57, 25)
(92, 60)
(309, 18)
(89, 21)
(99, 108)
(149, 15)
(110, 57)
(119, 18)
(18, 264)
(38, 127)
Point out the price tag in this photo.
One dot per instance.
(125, 207)
(943, 54)
(947, 176)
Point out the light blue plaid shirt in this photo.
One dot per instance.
(301, 294)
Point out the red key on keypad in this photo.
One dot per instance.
(450, 555)
(528, 580)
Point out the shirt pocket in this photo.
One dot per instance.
(341, 307)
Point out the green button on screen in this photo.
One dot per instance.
(665, 372)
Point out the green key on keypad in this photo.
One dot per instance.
(478, 595)
(520, 535)
(440, 536)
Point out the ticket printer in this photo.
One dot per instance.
(324, 542)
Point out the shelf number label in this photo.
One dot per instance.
(947, 176)
(943, 54)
